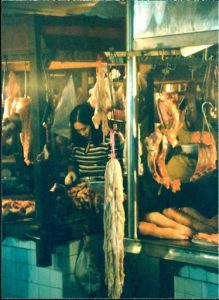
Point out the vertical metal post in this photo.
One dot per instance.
(131, 126)
(41, 194)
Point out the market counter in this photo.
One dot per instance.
(73, 227)
(174, 250)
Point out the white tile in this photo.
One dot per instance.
(31, 257)
(190, 296)
(6, 285)
(5, 241)
(10, 253)
(197, 273)
(44, 292)
(32, 274)
(44, 276)
(21, 289)
(22, 255)
(32, 245)
(210, 290)
(33, 290)
(13, 242)
(24, 244)
(213, 277)
(21, 271)
(193, 287)
(14, 253)
(178, 295)
(56, 279)
(56, 293)
(179, 284)
(12, 270)
(184, 271)
(4, 267)
(8, 241)
(5, 252)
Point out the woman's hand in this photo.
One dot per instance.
(70, 178)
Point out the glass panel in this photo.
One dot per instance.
(164, 18)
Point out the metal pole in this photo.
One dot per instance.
(131, 126)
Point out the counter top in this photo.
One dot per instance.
(175, 250)
(72, 227)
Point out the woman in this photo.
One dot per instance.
(89, 155)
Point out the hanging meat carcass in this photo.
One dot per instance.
(158, 143)
(22, 107)
(17, 110)
(207, 155)
(114, 219)
(102, 97)
(11, 91)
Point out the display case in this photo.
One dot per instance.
(156, 43)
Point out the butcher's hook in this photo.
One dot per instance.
(162, 56)
(171, 68)
(206, 76)
(204, 113)
(192, 74)
(154, 66)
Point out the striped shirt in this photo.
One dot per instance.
(90, 161)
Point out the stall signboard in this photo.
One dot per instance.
(170, 24)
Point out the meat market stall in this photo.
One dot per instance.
(44, 229)
(167, 34)
(54, 56)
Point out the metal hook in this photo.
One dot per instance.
(204, 113)
(162, 56)
(171, 68)
(206, 54)
(154, 66)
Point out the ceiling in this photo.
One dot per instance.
(104, 9)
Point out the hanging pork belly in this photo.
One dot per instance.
(15, 108)
(11, 91)
(159, 141)
(165, 136)
(22, 107)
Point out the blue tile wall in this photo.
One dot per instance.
(196, 282)
(21, 278)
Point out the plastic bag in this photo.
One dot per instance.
(63, 110)
(86, 271)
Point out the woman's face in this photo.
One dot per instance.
(82, 129)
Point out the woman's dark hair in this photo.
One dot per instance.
(83, 113)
